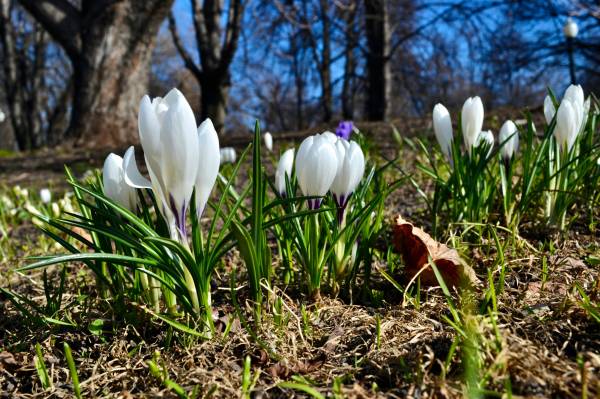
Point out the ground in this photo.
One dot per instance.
(540, 341)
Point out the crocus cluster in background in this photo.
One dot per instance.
(570, 120)
(553, 163)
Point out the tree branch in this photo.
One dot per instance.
(183, 53)
(60, 19)
(232, 32)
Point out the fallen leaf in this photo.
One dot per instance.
(416, 246)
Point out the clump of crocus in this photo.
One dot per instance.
(181, 158)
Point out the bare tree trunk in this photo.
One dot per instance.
(379, 75)
(298, 79)
(325, 70)
(213, 98)
(350, 63)
(109, 43)
(216, 49)
(23, 46)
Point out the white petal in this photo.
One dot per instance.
(565, 124)
(510, 137)
(301, 162)
(549, 109)
(284, 168)
(149, 128)
(179, 161)
(574, 93)
(316, 165)
(472, 121)
(330, 136)
(112, 179)
(208, 165)
(132, 175)
(442, 126)
(268, 139)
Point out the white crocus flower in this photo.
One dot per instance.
(509, 135)
(549, 109)
(571, 116)
(567, 124)
(472, 121)
(228, 155)
(316, 166)
(169, 137)
(351, 168)
(442, 126)
(115, 187)
(208, 163)
(284, 168)
(268, 139)
(45, 195)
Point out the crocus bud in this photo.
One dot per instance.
(574, 93)
(568, 120)
(351, 168)
(268, 139)
(509, 139)
(485, 138)
(2, 116)
(549, 109)
(316, 167)
(442, 126)
(284, 168)
(208, 163)
(472, 121)
(228, 155)
(45, 195)
(344, 129)
(55, 209)
(115, 187)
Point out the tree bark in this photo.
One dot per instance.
(379, 75)
(216, 48)
(109, 44)
(325, 70)
(24, 56)
(298, 80)
(213, 98)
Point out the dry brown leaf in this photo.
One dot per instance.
(416, 246)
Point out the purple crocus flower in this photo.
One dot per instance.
(344, 129)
